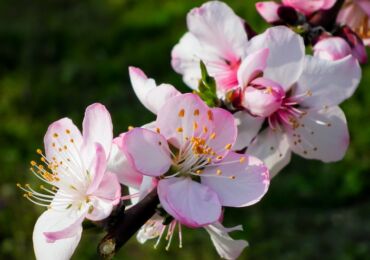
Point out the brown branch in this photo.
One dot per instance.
(129, 221)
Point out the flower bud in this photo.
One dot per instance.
(332, 48)
(263, 97)
(355, 42)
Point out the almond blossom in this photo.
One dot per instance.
(74, 166)
(301, 111)
(190, 154)
(355, 14)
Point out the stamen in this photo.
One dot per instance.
(196, 112)
(182, 113)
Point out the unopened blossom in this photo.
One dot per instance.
(332, 48)
(269, 9)
(76, 183)
(356, 14)
(189, 153)
(355, 42)
(308, 121)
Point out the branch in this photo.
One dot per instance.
(128, 223)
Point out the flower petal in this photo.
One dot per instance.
(248, 128)
(322, 135)
(151, 96)
(61, 133)
(147, 151)
(252, 66)
(244, 180)
(272, 148)
(329, 82)
(190, 202)
(286, 54)
(226, 247)
(268, 10)
(98, 167)
(177, 118)
(332, 48)
(119, 165)
(97, 128)
(60, 249)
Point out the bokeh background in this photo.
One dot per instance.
(58, 56)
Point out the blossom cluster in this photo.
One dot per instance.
(256, 98)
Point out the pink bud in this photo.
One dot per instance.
(355, 42)
(332, 48)
(268, 10)
(263, 97)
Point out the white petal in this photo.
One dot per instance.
(331, 82)
(226, 247)
(61, 249)
(322, 135)
(248, 127)
(272, 148)
(286, 56)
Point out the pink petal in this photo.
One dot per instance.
(322, 135)
(151, 96)
(268, 10)
(329, 82)
(119, 165)
(310, 6)
(190, 202)
(61, 133)
(248, 128)
(63, 248)
(272, 147)
(147, 151)
(332, 48)
(286, 54)
(97, 169)
(226, 246)
(252, 66)
(225, 131)
(243, 182)
(177, 117)
(97, 128)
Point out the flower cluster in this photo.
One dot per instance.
(256, 99)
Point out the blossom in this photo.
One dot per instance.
(218, 38)
(308, 120)
(355, 14)
(357, 46)
(190, 154)
(74, 165)
(332, 48)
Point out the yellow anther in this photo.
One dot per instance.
(210, 115)
(33, 163)
(68, 131)
(179, 129)
(158, 130)
(29, 194)
(196, 112)
(25, 195)
(199, 172)
(65, 147)
(219, 157)
(209, 160)
(42, 187)
(60, 149)
(242, 159)
(218, 172)
(19, 185)
(130, 127)
(309, 93)
(55, 135)
(213, 136)
(39, 151)
(42, 159)
(205, 129)
(228, 146)
(195, 125)
(27, 185)
(182, 113)
(72, 140)
(232, 177)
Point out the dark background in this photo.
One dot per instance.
(59, 56)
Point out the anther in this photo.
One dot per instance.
(219, 157)
(158, 130)
(242, 159)
(198, 171)
(33, 163)
(39, 151)
(210, 115)
(228, 146)
(179, 129)
(218, 172)
(195, 125)
(205, 130)
(55, 135)
(182, 113)
(72, 140)
(213, 136)
(232, 177)
(196, 112)
(130, 127)
(68, 131)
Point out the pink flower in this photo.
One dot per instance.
(190, 154)
(218, 38)
(269, 11)
(308, 7)
(332, 48)
(308, 122)
(355, 14)
(75, 166)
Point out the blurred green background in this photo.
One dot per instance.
(58, 56)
